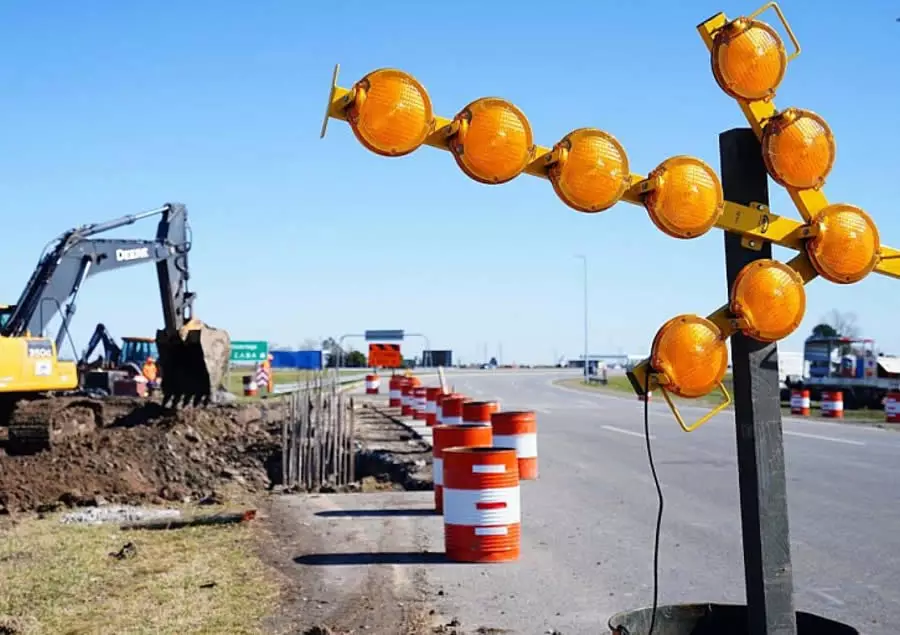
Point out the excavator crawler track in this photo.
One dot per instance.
(34, 424)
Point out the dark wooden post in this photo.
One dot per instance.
(757, 412)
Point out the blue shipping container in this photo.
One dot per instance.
(306, 360)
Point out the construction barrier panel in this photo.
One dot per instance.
(418, 395)
(892, 407)
(518, 431)
(395, 392)
(482, 509)
(373, 383)
(431, 395)
(453, 436)
(479, 411)
(800, 402)
(833, 404)
(452, 410)
(251, 388)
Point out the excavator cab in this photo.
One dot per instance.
(136, 350)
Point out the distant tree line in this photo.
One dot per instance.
(348, 357)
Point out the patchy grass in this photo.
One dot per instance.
(57, 578)
(235, 381)
(620, 384)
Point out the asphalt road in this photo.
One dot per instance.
(588, 521)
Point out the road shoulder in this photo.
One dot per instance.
(350, 562)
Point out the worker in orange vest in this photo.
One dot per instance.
(151, 374)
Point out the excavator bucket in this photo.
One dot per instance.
(193, 363)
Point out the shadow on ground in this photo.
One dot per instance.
(375, 513)
(360, 558)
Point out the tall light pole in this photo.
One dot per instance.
(584, 259)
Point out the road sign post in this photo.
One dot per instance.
(757, 413)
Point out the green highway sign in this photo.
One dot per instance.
(249, 351)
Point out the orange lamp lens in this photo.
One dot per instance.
(768, 296)
(493, 142)
(591, 170)
(390, 112)
(686, 198)
(748, 59)
(798, 149)
(690, 351)
(846, 245)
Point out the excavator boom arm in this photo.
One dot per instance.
(77, 256)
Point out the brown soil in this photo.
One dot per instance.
(391, 450)
(130, 450)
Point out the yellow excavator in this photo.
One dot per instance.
(30, 364)
(193, 357)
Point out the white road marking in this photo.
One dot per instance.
(630, 432)
(819, 423)
(827, 596)
(821, 437)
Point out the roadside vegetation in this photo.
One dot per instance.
(59, 578)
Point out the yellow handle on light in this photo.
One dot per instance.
(334, 78)
(709, 415)
(784, 23)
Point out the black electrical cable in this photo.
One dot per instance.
(659, 513)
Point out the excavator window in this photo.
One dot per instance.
(138, 350)
(5, 313)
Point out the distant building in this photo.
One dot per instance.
(437, 358)
(610, 359)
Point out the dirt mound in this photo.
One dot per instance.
(129, 451)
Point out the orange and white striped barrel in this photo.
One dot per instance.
(479, 411)
(407, 407)
(437, 406)
(892, 407)
(373, 383)
(251, 388)
(418, 397)
(800, 402)
(482, 509)
(406, 403)
(518, 431)
(833, 404)
(453, 436)
(440, 405)
(431, 395)
(452, 409)
(395, 392)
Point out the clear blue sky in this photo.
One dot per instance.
(111, 107)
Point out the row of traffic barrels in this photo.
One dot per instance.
(832, 404)
(480, 456)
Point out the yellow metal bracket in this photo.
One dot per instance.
(808, 202)
(328, 108)
(787, 27)
(726, 401)
(724, 320)
(754, 222)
